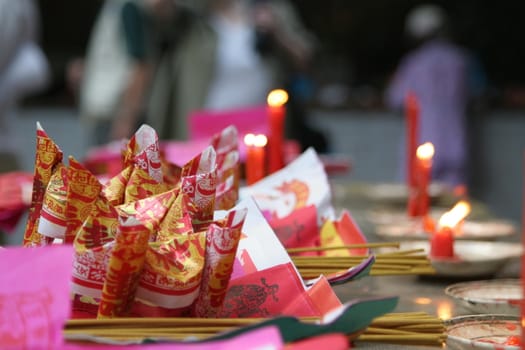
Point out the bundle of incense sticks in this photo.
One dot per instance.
(399, 328)
(400, 262)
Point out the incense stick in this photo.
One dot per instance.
(349, 246)
(403, 328)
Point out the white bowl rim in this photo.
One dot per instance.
(449, 290)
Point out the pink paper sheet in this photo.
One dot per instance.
(34, 297)
(204, 124)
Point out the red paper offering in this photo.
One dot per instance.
(296, 201)
(226, 146)
(199, 182)
(83, 190)
(147, 247)
(222, 239)
(345, 232)
(264, 271)
(48, 160)
(124, 268)
(299, 229)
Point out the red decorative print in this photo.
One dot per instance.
(222, 239)
(48, 156)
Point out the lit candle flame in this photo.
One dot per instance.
(454, 216)
(425, 151)
(249, 139)
(259, 140)
(277, 98)
(444, 310)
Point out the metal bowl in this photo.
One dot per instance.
(498, 296)
(484, 332)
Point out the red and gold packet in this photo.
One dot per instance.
(171, 279)
(83, 189)
(115, 188)
(171, 172)
(52, 221)
(124, 268)
(172, 272)
(141, 185)
(142, 175)
(151, 211)
(95, 240)
(143, 151)
(227, 193)
(177, 220)
(48, 158)
(226, 145)
(222, 239)
(92, 248)
(199, 183)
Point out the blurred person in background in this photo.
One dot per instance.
(445, 78)
(24, 70)
(232, 53)
(115, 78)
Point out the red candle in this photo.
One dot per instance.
(276, 115)
(255, 157)
(412, 134)
(418, 200)
(442, 243)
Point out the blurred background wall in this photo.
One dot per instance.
(361, 42)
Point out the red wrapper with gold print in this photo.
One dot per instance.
(151, 210)
(48, 157)
(226, 196)
(172, 273)
(171, 277)
(177, 220)
(83, 189)
(222, 239)
(226, 145)
(142, 174)
(143, 151)
(115, 189)
(199, 182)
(124, 268)
(132, 184)
(93, 244)
(52, 222)
(96, 236)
